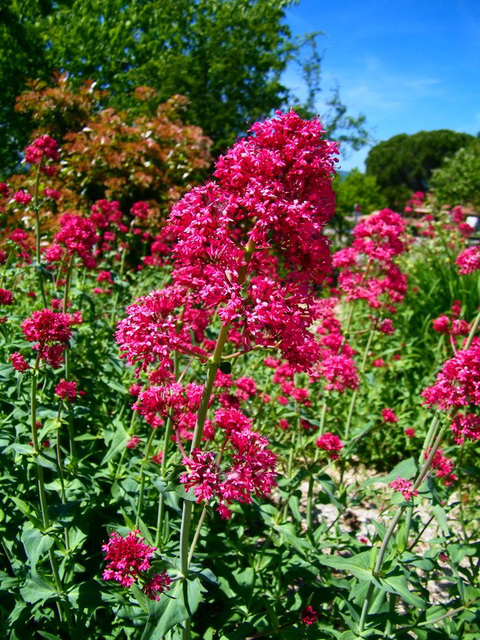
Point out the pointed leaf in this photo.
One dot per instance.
(35, 543)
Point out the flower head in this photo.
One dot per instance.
(18, 362)
(331, 444)
(469, 260)
(66, 390)
(309, 615)
(388, 415)
(404, 487)
(51, 332)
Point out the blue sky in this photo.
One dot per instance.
(407, 65)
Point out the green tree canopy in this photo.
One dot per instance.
(457, 181)
(225, 56)
(405, 163)
(358, 190)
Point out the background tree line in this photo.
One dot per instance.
(226, 56)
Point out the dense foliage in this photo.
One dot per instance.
(357, 192)
(404, 163)
(188, 446)
(152, 157)
(458, 178)
(226, 56)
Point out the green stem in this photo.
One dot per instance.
(117, 294)
(311, 480)
(142, 476)
(71, 433)
(36, 209)
(63, 611)
(355, 393)
(197, 533)
(421, 476)
(33, 419)
(212, 368)
(68, 280)
(119, 466)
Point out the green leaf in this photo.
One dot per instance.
(397, 583)
(37, 589)
(180, 604)
(35, 543)
(441, 517)
(117, 444)
(358, 565)
(27, 511)
(48, 636)
(405, 469)
(288, 532)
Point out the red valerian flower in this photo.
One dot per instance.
(458, 383)
(139, 210)
(388, 415)
(404, 487)
(443, 467)
(66, 390)
(466, 427)
(133, 442)
(309, 615)
(129, 560)
(53, 194)
(249, 470)
(22, 197)
(78, 235)
(51, 333)
(43, 147)
(4, 190)
(331, 444)
(469, 260)
(18, 362)
(410, 433)
(6, 297)
(157, 585)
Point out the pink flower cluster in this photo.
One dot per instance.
(404, 487)
(457, 389)
(458, 383)
(443, 467)
(66, 390)
(331, 444)
(468, 260)
(43, 147)
(415, 201)
(78, 236)
(451, 324)
(388, 415)
(309, 615)
(6, 297)
(18, 362)
(367, 269)
(251, 469)
(273, 196)
(51, 333)
(179, 402)
(151, 331)
(336, 363)
(129, 560)
(22, 197)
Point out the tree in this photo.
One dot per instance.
(405, 163)
(358, 190)
(225, 56)
(457, 181)
(22, 55)
(103, 156)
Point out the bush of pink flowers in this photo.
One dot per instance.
(192, 437)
